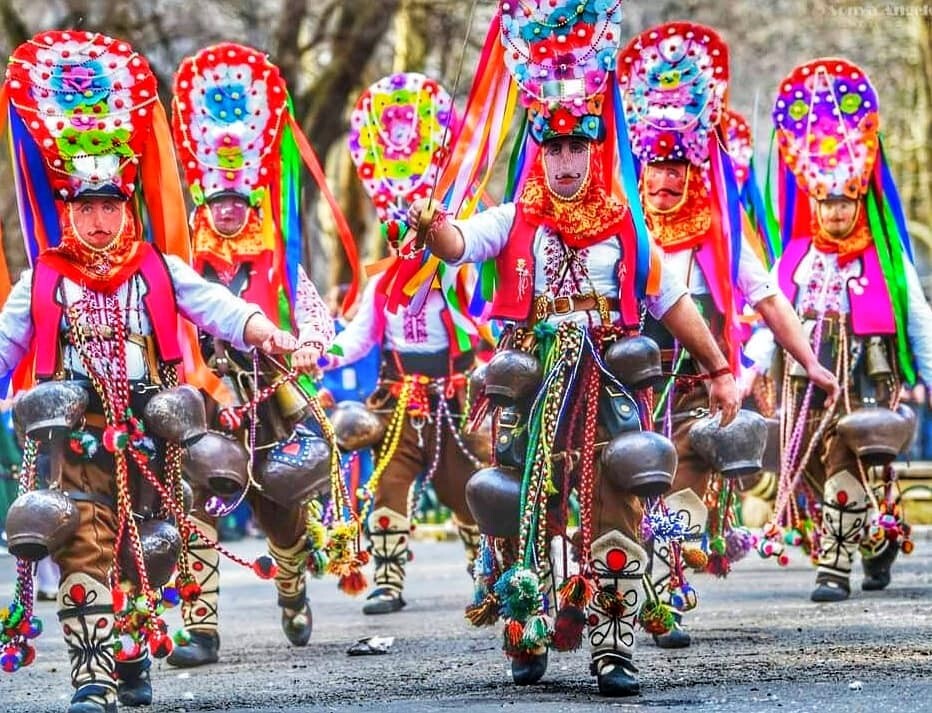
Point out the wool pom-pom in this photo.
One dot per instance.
(576, 591)
(265, 567)
(512, 634)
(656, 618)
(518, 590)
(484, 612)
(568, 629)
(695, 558)
(160, 646)
(353, 583)
(719, 565)
(738, 542)
(536, 632)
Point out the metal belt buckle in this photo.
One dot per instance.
(557, 304)
(141, 387)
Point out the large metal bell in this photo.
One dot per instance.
(217, 462)
(40, 523)
(176, 414)
(736, 450)
(512, 376)
(355, 426)
(477, 381)
(50, 409)
(161, 546)
(635, 362)
(479, 442)
(494, 498)
(296, 469)
(640, 462)
(877, 435)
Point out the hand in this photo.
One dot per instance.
(723, 397)
(825, 380)
(418, 207)
(304, 359)
(279, 342)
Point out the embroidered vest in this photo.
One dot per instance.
(514, 292)
(159, 302)
(868, 295)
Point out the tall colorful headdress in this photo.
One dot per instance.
(827, 129)
(236, 133)
(555, 58)
(84, 117)
(399, 130)
(674, 78)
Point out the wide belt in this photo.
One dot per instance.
(546, 306)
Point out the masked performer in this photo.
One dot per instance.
(234, 136)
(847, 267)
(690, 198)
(572, 272)
(102, 308)
(397, 138)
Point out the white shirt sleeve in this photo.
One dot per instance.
(485, 233)
(360, 335)
(672, 288)
(210, 305)
(760, 349)
(311, 314)
(919, 324)
(754, 282)
(16, 323)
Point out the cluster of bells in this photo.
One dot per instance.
(42, 522)
(634, 460)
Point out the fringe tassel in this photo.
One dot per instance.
(568, 629)
(484, 613)
(576, 591)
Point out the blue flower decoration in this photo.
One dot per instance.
(226, 103)
(79, 84)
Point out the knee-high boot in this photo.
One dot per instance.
(291, 583)
(844, 515)
(619, 564)
(389, 533)
(200, 616)
(85, 609)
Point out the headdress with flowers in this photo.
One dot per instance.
(674, 78)
(827, 130)
(398, 137)
(236, 134)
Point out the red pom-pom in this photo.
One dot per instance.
(29, 654)
(513, 633)
(160, 646)
(568, 629)
(265, 567)
(363, 558)
(189, 591)
(719, 565)
(353, 583)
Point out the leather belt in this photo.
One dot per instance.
(546, 306)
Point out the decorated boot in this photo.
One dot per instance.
(469, 536)
(619, 565)
(200, 616)
(389, 532)
(692, 513)
(290, 581)
(877, 561)
(134, 687)
(85, 609)
(844, 515)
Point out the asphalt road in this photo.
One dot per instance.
(759, 645)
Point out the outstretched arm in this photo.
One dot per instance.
(686, 324)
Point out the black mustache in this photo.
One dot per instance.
(561, 176)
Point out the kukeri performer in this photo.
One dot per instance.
(98, 323)
(573, 271)
(847, 267)
(398, 135)
(690, 199)
(234, 137)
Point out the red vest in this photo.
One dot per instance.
(159, 302)
(516, 262)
